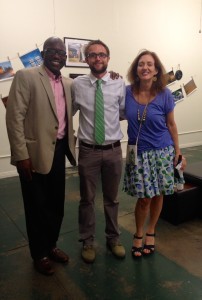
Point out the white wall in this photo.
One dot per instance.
(170, 28)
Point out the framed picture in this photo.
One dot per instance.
(73, 75)
(178, 95)
(31, 59)
(190, 87)
(75, 52)
(170, 77)
(6, 70)
(4, 100)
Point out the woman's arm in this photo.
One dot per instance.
(172, 127)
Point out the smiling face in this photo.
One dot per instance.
(54, 55)
(146, 69)
(97, 59)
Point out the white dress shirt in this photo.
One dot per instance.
(83, 90)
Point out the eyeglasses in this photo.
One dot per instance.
(52, 52)
(95, 55)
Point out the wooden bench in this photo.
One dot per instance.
(186, 204)
(182, 205)
(193, 174)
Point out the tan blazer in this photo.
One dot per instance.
(31, 119)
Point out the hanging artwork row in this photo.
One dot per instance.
(30, 59)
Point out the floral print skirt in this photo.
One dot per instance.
(153, 175)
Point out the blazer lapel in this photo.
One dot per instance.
(46, 83)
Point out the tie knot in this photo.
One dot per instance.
(99, 81)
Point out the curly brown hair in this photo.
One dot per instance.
(158, 85)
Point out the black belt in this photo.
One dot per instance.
(102, 147)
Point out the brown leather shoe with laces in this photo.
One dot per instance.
(44, 266)
(58, 255)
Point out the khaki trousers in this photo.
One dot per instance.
(92, 164)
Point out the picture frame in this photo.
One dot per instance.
(169, 77)
(75, 52)
(178, 95)
(190, 87)
(4, 100)
(74, 75)
(31, 59)
(6, 70)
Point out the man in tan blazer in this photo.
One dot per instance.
(40, 131)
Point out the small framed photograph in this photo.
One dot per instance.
(178, 95)
(170, 77)
(73, 75)
(190, 87)
(75, 52)
(6, 70)
(31, 59)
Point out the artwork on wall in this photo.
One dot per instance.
(170, 77)
(73, 75)
(6, 70)
(31, 59)
(178, 95)
(75, 52)
(178, 74)
(190, 87)
(4, 100)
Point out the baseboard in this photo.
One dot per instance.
(8, 174)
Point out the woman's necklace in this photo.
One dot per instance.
(143, 117)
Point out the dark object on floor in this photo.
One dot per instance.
(182, 205)
(193, 174)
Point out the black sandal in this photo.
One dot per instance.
(151, 248)
(137, 249)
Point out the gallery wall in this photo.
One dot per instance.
(170, 28)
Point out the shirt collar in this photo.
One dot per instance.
(93, 79)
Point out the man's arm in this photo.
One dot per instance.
(122, 103)
(17, 106)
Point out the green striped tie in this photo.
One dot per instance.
(99, 114)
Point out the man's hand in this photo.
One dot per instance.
(25, 169)
(114, 75)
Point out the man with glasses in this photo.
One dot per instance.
(99, 147)
(40, 131)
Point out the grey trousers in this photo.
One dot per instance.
(92, 164)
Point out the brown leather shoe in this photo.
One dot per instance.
(58, 255)
(44, 266)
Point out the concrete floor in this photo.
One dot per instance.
(173, 272)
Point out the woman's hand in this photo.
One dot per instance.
(184, 163)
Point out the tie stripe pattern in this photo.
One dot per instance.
(99, 114)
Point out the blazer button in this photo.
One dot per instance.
(54, 143)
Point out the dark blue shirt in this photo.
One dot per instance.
(154, 132)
